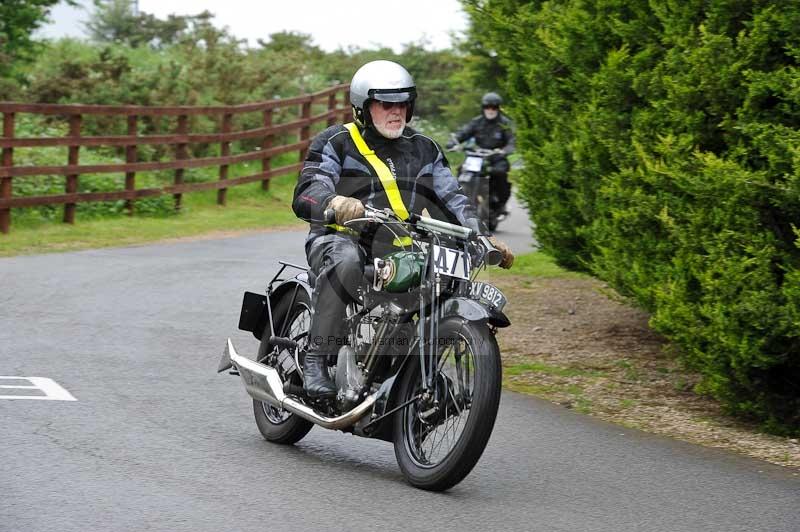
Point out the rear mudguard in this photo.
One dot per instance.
(461, 307)
(257, 303)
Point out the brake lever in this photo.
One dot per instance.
(372, 215)
(377, 213)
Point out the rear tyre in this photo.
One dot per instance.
(436, 447)
(275, 424)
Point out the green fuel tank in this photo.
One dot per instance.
(404, 270)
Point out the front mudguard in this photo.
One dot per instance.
(471, 310)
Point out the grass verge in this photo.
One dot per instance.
(248, 208)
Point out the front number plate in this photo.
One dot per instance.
(451, 262)
(473, 164)
(489, 295)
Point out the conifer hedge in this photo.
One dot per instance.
(662, 149)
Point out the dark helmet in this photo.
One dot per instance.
(385, 81)
(491, 99)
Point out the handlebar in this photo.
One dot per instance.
(418, 222)
(491, 255)
(438, 226)
(475, 151)
(481, 152)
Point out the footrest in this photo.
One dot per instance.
(284, 343)
(290, 388)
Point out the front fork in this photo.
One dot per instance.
(437, 387)
(428, 332)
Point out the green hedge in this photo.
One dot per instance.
(662, 151)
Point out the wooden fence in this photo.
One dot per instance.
(335, 100)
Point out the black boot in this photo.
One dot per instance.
(316, 381)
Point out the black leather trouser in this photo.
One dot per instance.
(338, 262)
(500, 187)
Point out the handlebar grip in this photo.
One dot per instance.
(493, 256)
(329, 216)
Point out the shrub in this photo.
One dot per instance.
(662, 152)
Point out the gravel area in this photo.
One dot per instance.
(576, 343)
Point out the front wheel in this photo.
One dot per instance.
(438, 439)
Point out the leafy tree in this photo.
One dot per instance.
(291, 42)
(479, 69)
(18, 20)
(114, 21)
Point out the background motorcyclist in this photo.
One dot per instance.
(338, 175)
(492, 130)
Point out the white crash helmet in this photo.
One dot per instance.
(385, 81)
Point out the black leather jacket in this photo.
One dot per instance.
(334, 166)
(490, 134)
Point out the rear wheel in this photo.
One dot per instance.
(275, 424)
(438, 439)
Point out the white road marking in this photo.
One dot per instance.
(52, 390)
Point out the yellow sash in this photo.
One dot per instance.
(387, 180)
(384, 174)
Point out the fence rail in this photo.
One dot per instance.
(335, 101)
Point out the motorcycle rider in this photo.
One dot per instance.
(380, 162)
(492, 131)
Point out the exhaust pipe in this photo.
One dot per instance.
(263, 383)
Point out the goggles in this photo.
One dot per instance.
(390, 105)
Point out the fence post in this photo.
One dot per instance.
(225, 151)
(72, 179)
(180, 153)
(346, 112)
(130, 157)
(5, 181)
(331, 108)
(266, 144)
(305, 131)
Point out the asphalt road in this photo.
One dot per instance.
(156, 440)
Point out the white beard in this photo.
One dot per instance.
(490, 114)
(390, 133)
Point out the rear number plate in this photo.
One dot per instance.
(451, 262)
(489, 295)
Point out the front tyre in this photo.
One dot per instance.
(439, 439)
(275, 424)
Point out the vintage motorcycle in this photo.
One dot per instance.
(420, 367)
(474, 178)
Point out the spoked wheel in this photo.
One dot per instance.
(275, 424)
(439, 438)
